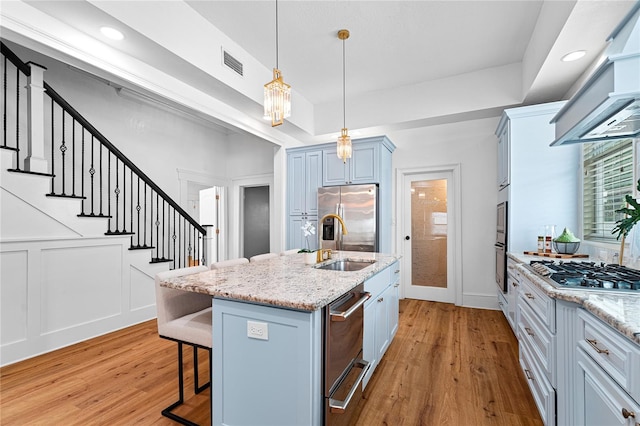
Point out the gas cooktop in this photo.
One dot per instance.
(588, 275)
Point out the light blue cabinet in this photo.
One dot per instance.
(309, 168)
(362, 167)
(304, 169)
(272, 381)
(296, 238)
(380, 316)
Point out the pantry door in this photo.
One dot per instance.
(429, 236)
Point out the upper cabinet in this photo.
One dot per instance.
(311, 167)
(362, 167)
(304, 177)
(503, 155)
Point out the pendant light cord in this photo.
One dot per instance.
(344, 96)
(277, 35)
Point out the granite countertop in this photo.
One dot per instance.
(619, 310)
(284, 281)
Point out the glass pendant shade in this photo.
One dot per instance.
(344, 145)
(277, 99)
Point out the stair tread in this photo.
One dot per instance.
(79, 197)
(26, 172)
(103, 216)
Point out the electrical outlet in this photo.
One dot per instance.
(258, 330)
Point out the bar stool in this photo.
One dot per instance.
(288, 252)
(230, 262)
(261, 257)
(185, 317)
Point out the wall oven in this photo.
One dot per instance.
(501, 246)
(344, 367)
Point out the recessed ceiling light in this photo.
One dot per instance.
(111, 33)
(573, 56)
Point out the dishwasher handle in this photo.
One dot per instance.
(343, 315)
(337, 406)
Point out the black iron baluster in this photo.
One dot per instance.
(53, 177)
(117, 192)
(138, 208)
(163, 222)
(173, 237)
(92, 172)
(73, 158)
(124, 198)
(18, 119)
(100, 181)
(157, 227)
(63, 149)
(82, 175)
(131, 204)
(4, 102)
(145, 217)
(109, 192)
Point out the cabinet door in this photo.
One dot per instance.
(364, 164)
(336, 172)
(296, 238)
(503, 157)
(382, 321)
(296, 167)
(369, 352)
(394, 309)
(600, 401)
(313, 180)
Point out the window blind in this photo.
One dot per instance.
(608, 177)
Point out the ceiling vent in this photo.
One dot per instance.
(232, 62)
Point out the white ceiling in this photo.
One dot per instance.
(408, 63)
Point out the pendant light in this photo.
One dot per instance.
(277, 93)
(344, 141)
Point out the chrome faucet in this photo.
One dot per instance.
(344, 232)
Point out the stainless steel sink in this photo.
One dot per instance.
(346, 265)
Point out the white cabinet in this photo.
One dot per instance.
(362, 167)
(380, 316)
(509, 301)
(503, 157)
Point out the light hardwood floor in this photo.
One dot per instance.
(446, 366)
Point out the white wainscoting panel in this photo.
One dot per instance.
(142, 289)
(80, 285)
(13, 296)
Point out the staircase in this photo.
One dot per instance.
(83, 230)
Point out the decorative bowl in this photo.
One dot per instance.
(566, 248)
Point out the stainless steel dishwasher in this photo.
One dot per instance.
(344, 367)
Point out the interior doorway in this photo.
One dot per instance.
(430, 234)
(255, 222)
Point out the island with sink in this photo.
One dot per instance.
(272, 334)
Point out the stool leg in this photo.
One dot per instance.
(196, 387)
(167, 411)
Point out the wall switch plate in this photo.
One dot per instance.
(258, 330)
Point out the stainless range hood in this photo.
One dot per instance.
(608, 105)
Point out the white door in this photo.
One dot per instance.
(429, 236)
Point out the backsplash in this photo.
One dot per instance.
(601, 253)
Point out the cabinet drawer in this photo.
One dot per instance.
(543, 393)
(502, 302)
(540, 342)
(376, 285)
(394, 272)
(543, 305)
(614, 353)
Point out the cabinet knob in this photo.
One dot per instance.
(529, 332)
(528, 374)
(529, 296)
(380, 299)
(626, 413)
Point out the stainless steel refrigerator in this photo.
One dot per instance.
(357, 205)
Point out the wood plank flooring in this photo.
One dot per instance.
(447, 365)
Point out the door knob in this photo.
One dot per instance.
(407, 238)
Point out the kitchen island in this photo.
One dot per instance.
(268, 337)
